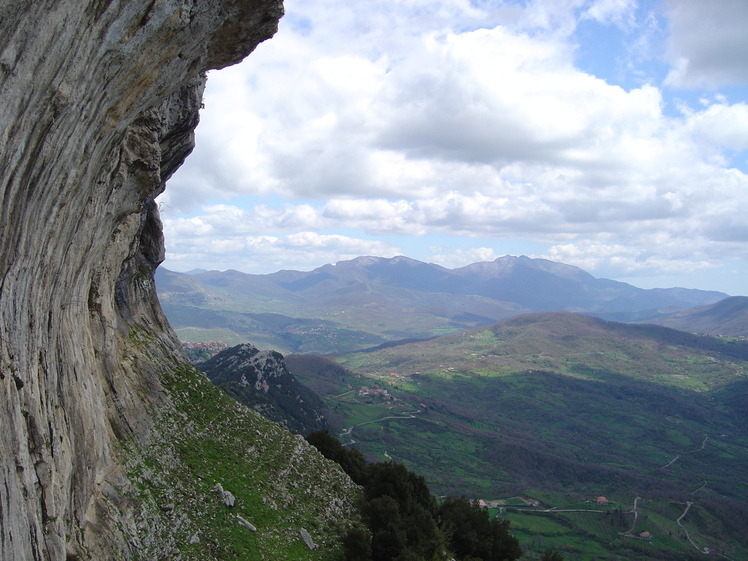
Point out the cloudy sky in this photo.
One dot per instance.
(607, 134)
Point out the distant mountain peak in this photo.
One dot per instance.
(502, 267)
(369, 260)
(370, 300)
(362, 261)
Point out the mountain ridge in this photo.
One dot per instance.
(260, 380)
(368, 301)
(727, 317)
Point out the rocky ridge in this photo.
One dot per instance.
(260, 379)
(99, 103)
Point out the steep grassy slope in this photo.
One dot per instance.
(203, 438)
(563, 403)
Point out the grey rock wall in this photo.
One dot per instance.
(98, 101)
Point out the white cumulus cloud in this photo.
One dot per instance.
(474, 120)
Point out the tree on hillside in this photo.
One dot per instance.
(403, 521)
(357, 544)
(395, 480)
(351, 460)
(411, 513)
(473, 534)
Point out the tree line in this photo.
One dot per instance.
(402, 520)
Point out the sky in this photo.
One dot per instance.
(607, 134)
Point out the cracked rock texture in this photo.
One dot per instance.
(99, 99)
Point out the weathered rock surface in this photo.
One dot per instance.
(99, 99)
(246, 523)
(260, 379)
(307, 539)
(226, 497)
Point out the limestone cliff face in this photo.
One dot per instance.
(98, 101)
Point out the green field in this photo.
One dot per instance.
(605, 533)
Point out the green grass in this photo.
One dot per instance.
(596, 536)
(536, 525)
(202, 437)
(586, 350)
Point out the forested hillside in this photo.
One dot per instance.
(562, 408)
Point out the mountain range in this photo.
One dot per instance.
(556, 407)
(369, 301)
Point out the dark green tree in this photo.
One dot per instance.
(357, 544)
(550, 555)
(388, 479)
(504, 546)
(394, 480)
(398, 509)
(382, 513)
(424, 538)
(472, 534)
(351, 460)
(403, 521)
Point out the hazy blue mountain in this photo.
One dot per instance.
(372, 300)
(728, 317)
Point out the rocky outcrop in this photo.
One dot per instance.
(260, 379)
(99, 101)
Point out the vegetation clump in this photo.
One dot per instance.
(206, 447)
(403, 521)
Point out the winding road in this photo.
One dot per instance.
(349, 431)
(678, 456)
(635, 512)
